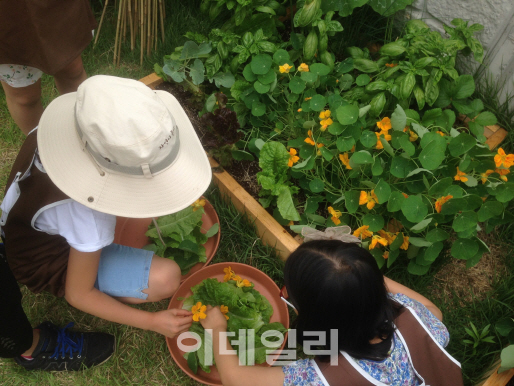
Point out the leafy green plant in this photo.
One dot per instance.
(179, 237)
(478, 337)
(505, 327)
(245, 309)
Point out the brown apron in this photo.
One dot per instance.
(433, 365)
(37, 259)
(45, 34)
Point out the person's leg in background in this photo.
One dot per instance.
(16, 334)
(24, 104)
(69, 78)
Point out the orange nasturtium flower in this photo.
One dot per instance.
(391, 65)
(368, 198)
(229, 274)
(198, 204)
(503, 173)
(299, 110)
(363, 232)
(309, 139)
(379, 142)
(243, 282)
(198, 311)
(405, 244)
(303, 67)
(412, 135)
(377, 240)
(224, 311)
(335, 215)
(405, 195)
(308, 99)
(324, 114)
(345, 160)
(284, 68)
(390, 237)
(440, 133)
(440, 201)
(293, 158)
(460, 176)
(502, 159)
(384, 124)
(485, 175)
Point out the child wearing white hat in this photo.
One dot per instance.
(113, 148)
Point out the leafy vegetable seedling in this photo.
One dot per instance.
(182, 237)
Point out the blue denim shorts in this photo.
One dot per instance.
(124, 271)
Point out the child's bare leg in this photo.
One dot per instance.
(69, 78)
(163, 281)
(24, 104)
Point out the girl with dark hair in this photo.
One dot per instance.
(387, 334)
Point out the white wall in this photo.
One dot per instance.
(497, 17)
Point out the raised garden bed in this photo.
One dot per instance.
(275, 235)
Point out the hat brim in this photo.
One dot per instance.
(74, 172)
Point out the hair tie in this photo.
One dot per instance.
(342, 233)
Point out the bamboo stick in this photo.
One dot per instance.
(131, 25)
(124, 19)
(161, 5)
(117, 31)
(101, 22)
(149, 31)
(136, 19)
(123, 7)
(156, 24)
(142, 25)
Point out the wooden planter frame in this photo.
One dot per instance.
(274, 234)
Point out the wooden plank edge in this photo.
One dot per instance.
(496, 379)
(496, 138)
(152, 80)
(268, 229)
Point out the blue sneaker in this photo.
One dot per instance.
(59, 349)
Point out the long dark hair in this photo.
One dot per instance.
(337, 285)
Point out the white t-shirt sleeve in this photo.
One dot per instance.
(84, 229)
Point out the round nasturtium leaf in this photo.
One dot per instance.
(319, 69)
(346, 82)
(416, 269)
(261, 64)
(318, 102)
(465, 221)
(368, 138)
(281, 57)
(347, 115)
(432, 155)
(309, 77)
(362, 80)
(248, 73)
(361, 158)
(461, 144)
(464, 249)
(267, 78)
(297, 85)
(414, 209)
(395, 201)
(345, 144)
(383, 191)
(375, 222)
(258, 108)
(316, 186)
(261, 88)
(436, 235)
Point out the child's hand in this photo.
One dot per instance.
(215, 320)
(172, 322)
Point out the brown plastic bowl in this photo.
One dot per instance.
(262, 283)
(131, 232)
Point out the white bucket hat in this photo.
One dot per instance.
(118, 147)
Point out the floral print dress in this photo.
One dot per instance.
(394, 370)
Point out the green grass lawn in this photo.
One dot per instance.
(482, 295)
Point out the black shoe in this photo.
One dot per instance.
(61, 350)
